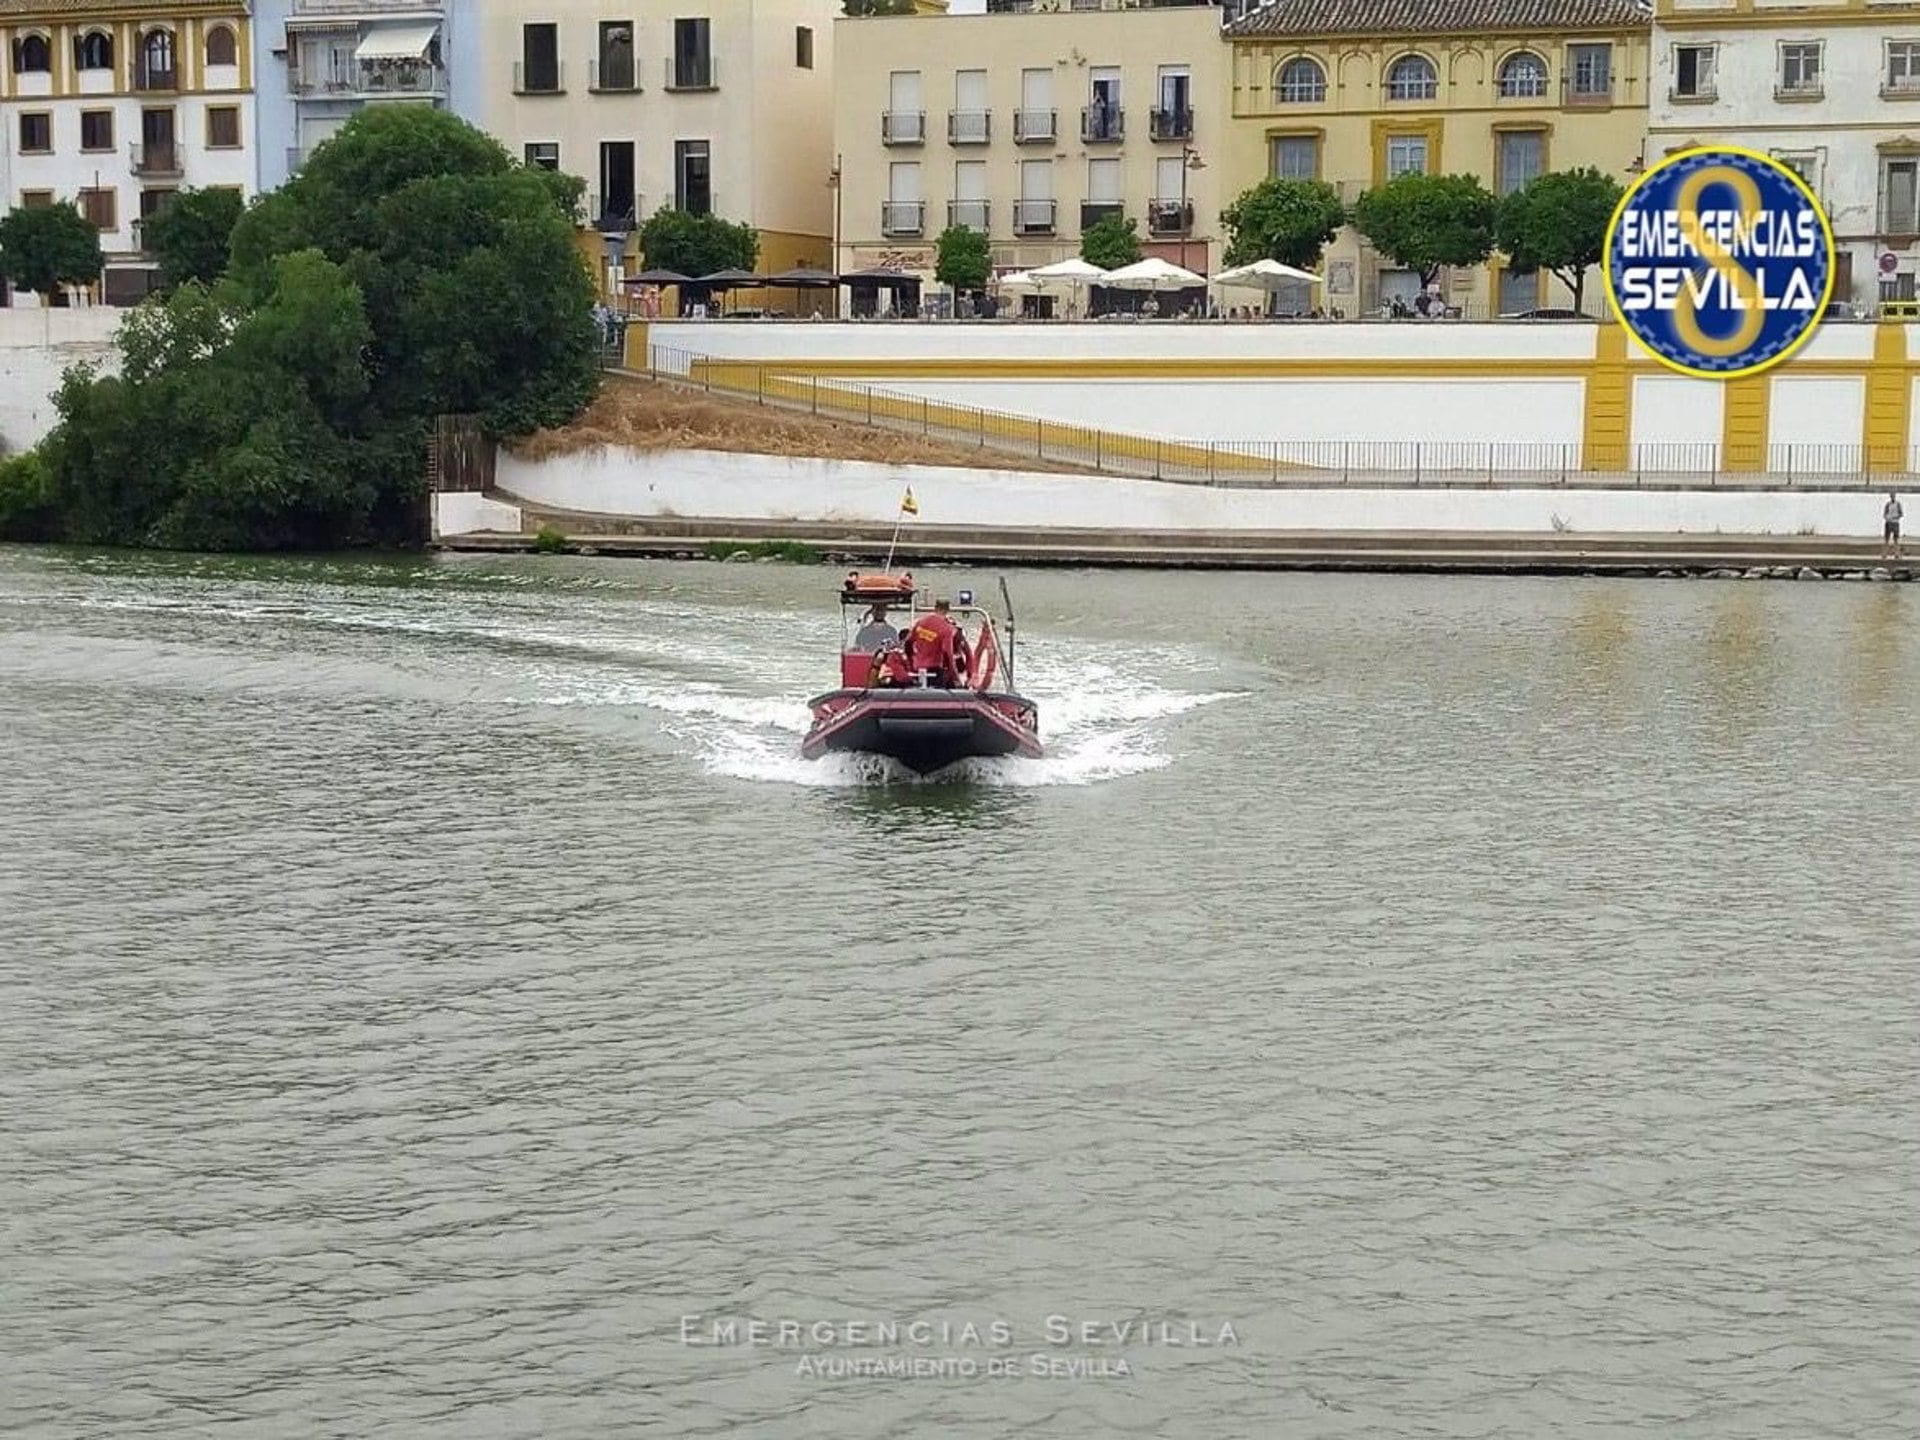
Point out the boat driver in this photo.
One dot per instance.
(937, 647)
(877, 633)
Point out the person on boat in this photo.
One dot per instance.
(877, 633)
(937, 647)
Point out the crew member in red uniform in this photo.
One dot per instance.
(937, 646)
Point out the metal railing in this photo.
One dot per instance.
(1169, 124)
(903, 217)
(154, 159)
(903, 127)
(692, 72)
(1033, 217)
(1092, 212)
(1169, 217)
(1102, 124)
(973, 214)
(1283, 464)
(538, 79)
(618, 77)
(1035, 127)
(969, 127)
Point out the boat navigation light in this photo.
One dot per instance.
(966, 597)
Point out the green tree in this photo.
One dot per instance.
(1558, 222)
(192, 235)
(1110, 242)
(877, 7)
(43, 247)
(1291, 221)
(1428, 222)
(697, 245)
(963, 258)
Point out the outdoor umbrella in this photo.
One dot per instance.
(1268, 275)
(803, 277)
(659, 277)
(1153, 273)
(1074, 271)
(730, 280)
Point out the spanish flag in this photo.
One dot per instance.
(908, 505)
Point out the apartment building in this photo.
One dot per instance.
(1356, 92)
(1830, 87)
(321, 62)
(1030, 124)
(722, 107)
(118, 107)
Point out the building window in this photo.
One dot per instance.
(96, 129)
(93, 51)
(36, 133)
(969, 206)
(1523, 76)
(221, 49)
(1033, 215)
(692, 177)
(803, 46)
(1800, 67)
(905, 122)
(152, 202)
(1804, 163)
(223, 127)
(904, 213)
(155, 71)
(1412, 77)
(1300, 81)
(1406, 155)
(1519, 291)
(1590, 72)
(100, 207)
(1693, 72)
(35, 199)
(692, 60)
(543, 155)
(618, 199)
(614, 67)
(1900, 195)
(1521, 157)
(539, 60)
(1294, 157)
(32, 55)
(1903, 67)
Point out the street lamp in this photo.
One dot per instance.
(833, 184)
(1189, 160)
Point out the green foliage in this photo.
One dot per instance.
(27, 507)
(44, 247)
(963, 258)
(696, 244)
(1291, 221)
(794, 552)
(1558, 222)
(549, 541)
(1428, 222)
(877, 7)
(192, 235)
(1110, 242)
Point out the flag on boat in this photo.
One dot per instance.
(908, 505)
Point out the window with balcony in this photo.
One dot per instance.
(803, 47)
(1693, 72)
(1033, 211)
(969, 205)
(1799, 70)
(1300, 81)
(1103, 120)
(613, 60)
(905, 120)
(36, 133)
(538, 72)
(693, 177)
(1171, 213)
(1103, 192)
(618, 200)
(1172, 118)
(1412, 77)
(543, 155)
(93, 51)
(904, 212)
(690, 67)
(1590, 74)
(222, 48)
(1903, 67)
(1523, 76)
(1294, 157)
(970, 122)
(1406, 155)
(1900, 195)
(1033, 122)
(101, 207)
(156, 154)
(96, 130)
(1520, 156)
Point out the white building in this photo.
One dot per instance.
(1832, 88)
(119, 107)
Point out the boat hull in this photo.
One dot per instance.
(925, 730)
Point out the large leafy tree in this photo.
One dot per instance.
(1291, 221)
(1558, 222)
(963, 258)
(192, 235)
(697, 245)
(1428, 222)
(1110, 242)
(877, 7)
(43, 247)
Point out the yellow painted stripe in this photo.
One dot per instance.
(1886, 425)
(1609, 403)
(1743, 430)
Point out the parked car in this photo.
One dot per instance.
(1843, 310)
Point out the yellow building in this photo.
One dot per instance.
(1355, 92)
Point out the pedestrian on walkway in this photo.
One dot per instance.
(1891, 514)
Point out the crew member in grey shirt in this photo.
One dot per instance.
(876, 633)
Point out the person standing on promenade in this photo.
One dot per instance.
(1891, 514)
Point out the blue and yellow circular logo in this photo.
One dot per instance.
(1719, 262)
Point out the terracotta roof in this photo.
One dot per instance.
(1437, 17)
(115, 9)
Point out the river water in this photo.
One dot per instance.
(436, 1001)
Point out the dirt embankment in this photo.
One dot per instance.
(647, 415)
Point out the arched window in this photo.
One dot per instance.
(1523, 76)
(1300, 81)
(220, 45)
(1412, 77)
(156, 61)
(93, 51)
(32, 55)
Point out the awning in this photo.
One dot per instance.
(396, 42)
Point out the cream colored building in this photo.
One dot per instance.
(1029, 126)
(713, 106)
(1356, 92)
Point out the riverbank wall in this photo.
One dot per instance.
(37, 346)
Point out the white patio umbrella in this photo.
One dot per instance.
(1074, 271)
(1268, 275)
(1153, 273)
(1018, 280)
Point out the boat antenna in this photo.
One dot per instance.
(1006, 599)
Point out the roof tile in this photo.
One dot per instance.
(1436, 17)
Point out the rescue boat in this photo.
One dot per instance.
(915, 685)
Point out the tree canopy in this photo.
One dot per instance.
(963, 258)
(1291, 221)
(1110, 242)
(192, 235)
(877, 7)
(697, 245)
(1428, 222)
(43, 247)
(1558, 222)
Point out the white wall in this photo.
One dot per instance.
(1819, 416)
(36, 346)
(462, 512)
(1675, 411)
(755, 487)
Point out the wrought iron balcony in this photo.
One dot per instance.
(971, 213)
(1171, 124)
(1033, 217)
(903, 217)
(539, 79)
(1092, 212)
(1169, 217)
(691, 72)
(903, 127)
(969, 127)
(155, 160)
(615, 77)
(1103, 124)
(1035, 127)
